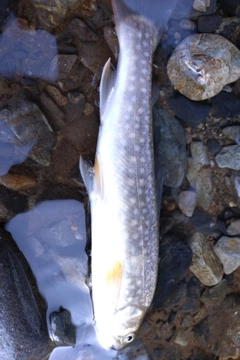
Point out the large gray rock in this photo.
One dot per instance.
(169, 147)
(23, 330)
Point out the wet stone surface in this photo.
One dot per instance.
(52, 55)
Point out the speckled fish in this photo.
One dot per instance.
(122, 189)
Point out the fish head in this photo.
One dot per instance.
(122, 329)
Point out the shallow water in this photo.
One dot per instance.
(52, 237)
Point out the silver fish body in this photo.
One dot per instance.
(122, 195)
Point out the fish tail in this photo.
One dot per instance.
(157, 12)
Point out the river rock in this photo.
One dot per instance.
(191, 112)
(205, 265)
(237, 185)
(228, 251)
(198, 175)
(25, 52)
(229, 157)
(187, 201)
(210, 23)
(225, 104)
(169, 148)
(234, 228)
(20, 119)
(215, 294)
(192, 299)
(202, 65)
(175, 259)
(229, 7)
(23, 330)
(62, 331)
(52, 14)
(218, 332)
(193, 8)
(232, 132)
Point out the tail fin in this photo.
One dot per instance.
(156, 11)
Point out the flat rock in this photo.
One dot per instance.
(208, 23)
(205, 265)
(229, 157)
(169, 148)
(191, 112)
(175, 258)
(228, 251)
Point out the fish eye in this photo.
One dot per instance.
(129, 338)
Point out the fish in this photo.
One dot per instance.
(121, 185)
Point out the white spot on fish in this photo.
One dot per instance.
(130, 182)
(133, 159)
(132, 200)
(132, 135)
(135, 211)
(143, 90)
(142, 171)
(141, 182)
(146, 53)
(144, 71)
(141, 140)
(133, 223)
(137, 147)
(140, 110)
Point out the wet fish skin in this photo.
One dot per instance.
(122, 192)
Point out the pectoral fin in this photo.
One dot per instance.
(106, 87)
(92, 177)
(87, 173)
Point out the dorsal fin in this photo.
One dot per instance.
(106, 87)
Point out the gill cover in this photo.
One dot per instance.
(126, 323)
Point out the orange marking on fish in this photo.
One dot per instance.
(114, 275)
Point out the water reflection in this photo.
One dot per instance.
(52, 236)
(11, 153)
(25, 52)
